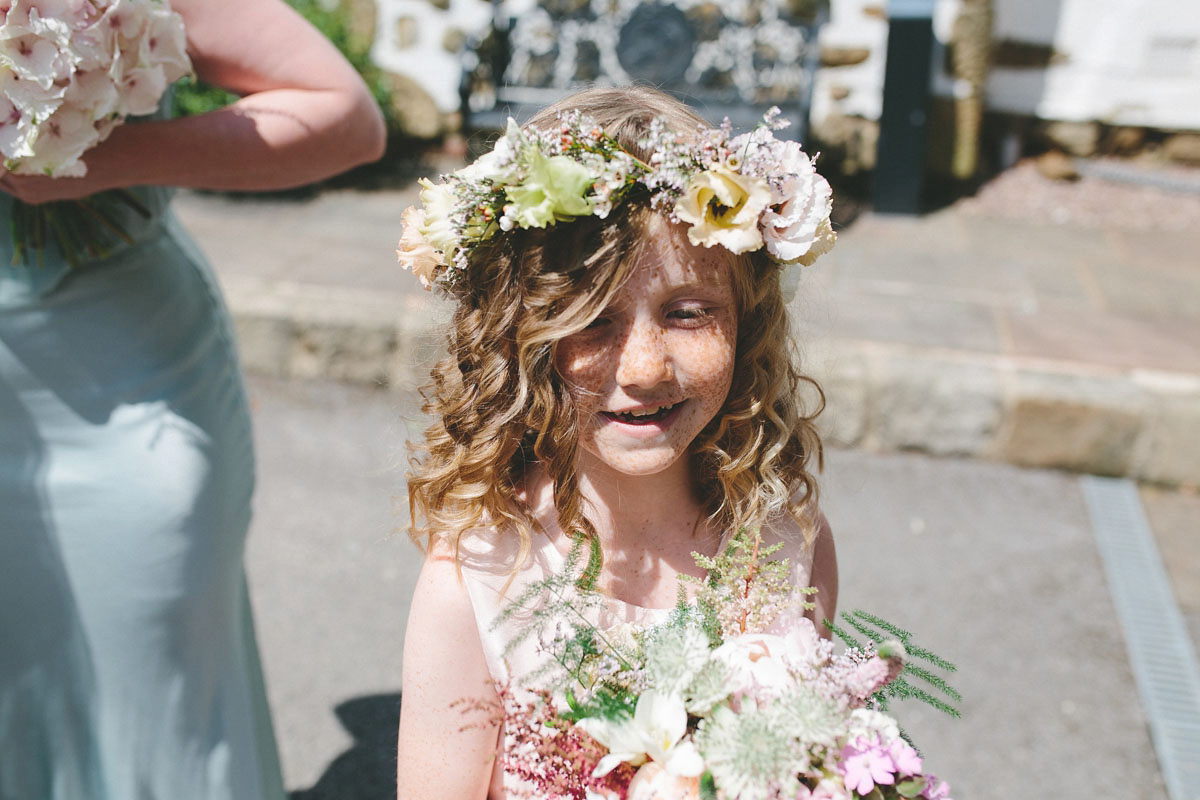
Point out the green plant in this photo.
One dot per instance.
(192, 96)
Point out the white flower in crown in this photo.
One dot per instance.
(795, 225)
(436, 224)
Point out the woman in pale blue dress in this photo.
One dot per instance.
(128, 665)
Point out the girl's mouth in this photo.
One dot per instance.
(646, 416)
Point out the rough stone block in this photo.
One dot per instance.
(1168, 451)
(264, 343)
(1183, 147)
(843, 423)
(943, 406)
(1085, 423)
(1076, 138)
(832, 56)
(352, 353)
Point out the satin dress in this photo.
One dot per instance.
(128, 664)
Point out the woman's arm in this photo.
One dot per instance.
(305, 113)
(824, 578)
(437, 756)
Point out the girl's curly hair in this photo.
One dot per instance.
(499, 405)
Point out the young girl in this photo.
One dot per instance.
(619, 372)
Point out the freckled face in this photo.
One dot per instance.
(655, 367)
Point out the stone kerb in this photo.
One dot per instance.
(879, 396)
(292, 330)
(1140, 424)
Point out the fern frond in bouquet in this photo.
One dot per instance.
(908, 685)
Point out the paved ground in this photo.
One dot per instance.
(991, 565)
(1025, 341)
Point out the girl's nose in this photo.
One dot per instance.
(644, 361)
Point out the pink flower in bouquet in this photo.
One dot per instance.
(936, 789)
(827, 789)
(767, 665)
(76, 69)
(866, 763)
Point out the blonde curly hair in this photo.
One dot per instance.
(499, 405)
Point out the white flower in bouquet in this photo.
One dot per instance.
(75, 69)
(656, 732)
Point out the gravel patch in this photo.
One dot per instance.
(1108, 193)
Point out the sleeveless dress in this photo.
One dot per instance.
(486, 558)
(128, 665)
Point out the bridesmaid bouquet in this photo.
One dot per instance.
(736, 697)
(70, 72)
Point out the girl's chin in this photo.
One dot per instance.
(632, 464)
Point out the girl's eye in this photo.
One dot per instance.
(691, 314)
(597, 323)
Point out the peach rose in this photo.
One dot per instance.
(653, 782)
(414, 251)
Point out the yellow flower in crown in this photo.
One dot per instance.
(723, 207)
(554, 188)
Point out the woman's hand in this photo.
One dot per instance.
(34, 189)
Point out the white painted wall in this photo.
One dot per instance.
(426, 61)
(1128, 62)
(1125, 62)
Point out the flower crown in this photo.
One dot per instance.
(743, 193)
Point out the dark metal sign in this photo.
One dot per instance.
(732, 58)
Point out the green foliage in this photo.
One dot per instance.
(192, 96)
(908, 685)
(595, 563)
(607, 702)
(83, 229)
(746, 589)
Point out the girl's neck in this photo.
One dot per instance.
(633, 513)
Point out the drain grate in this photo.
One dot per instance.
(1162, 655)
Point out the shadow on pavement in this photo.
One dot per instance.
(368, 768)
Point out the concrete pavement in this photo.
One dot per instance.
(956, 333)
(993, 566)
(1019, 344)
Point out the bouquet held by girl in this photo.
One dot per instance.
(627, 577)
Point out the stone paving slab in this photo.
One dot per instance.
(953, 333)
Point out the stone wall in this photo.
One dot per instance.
(1092, 65)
